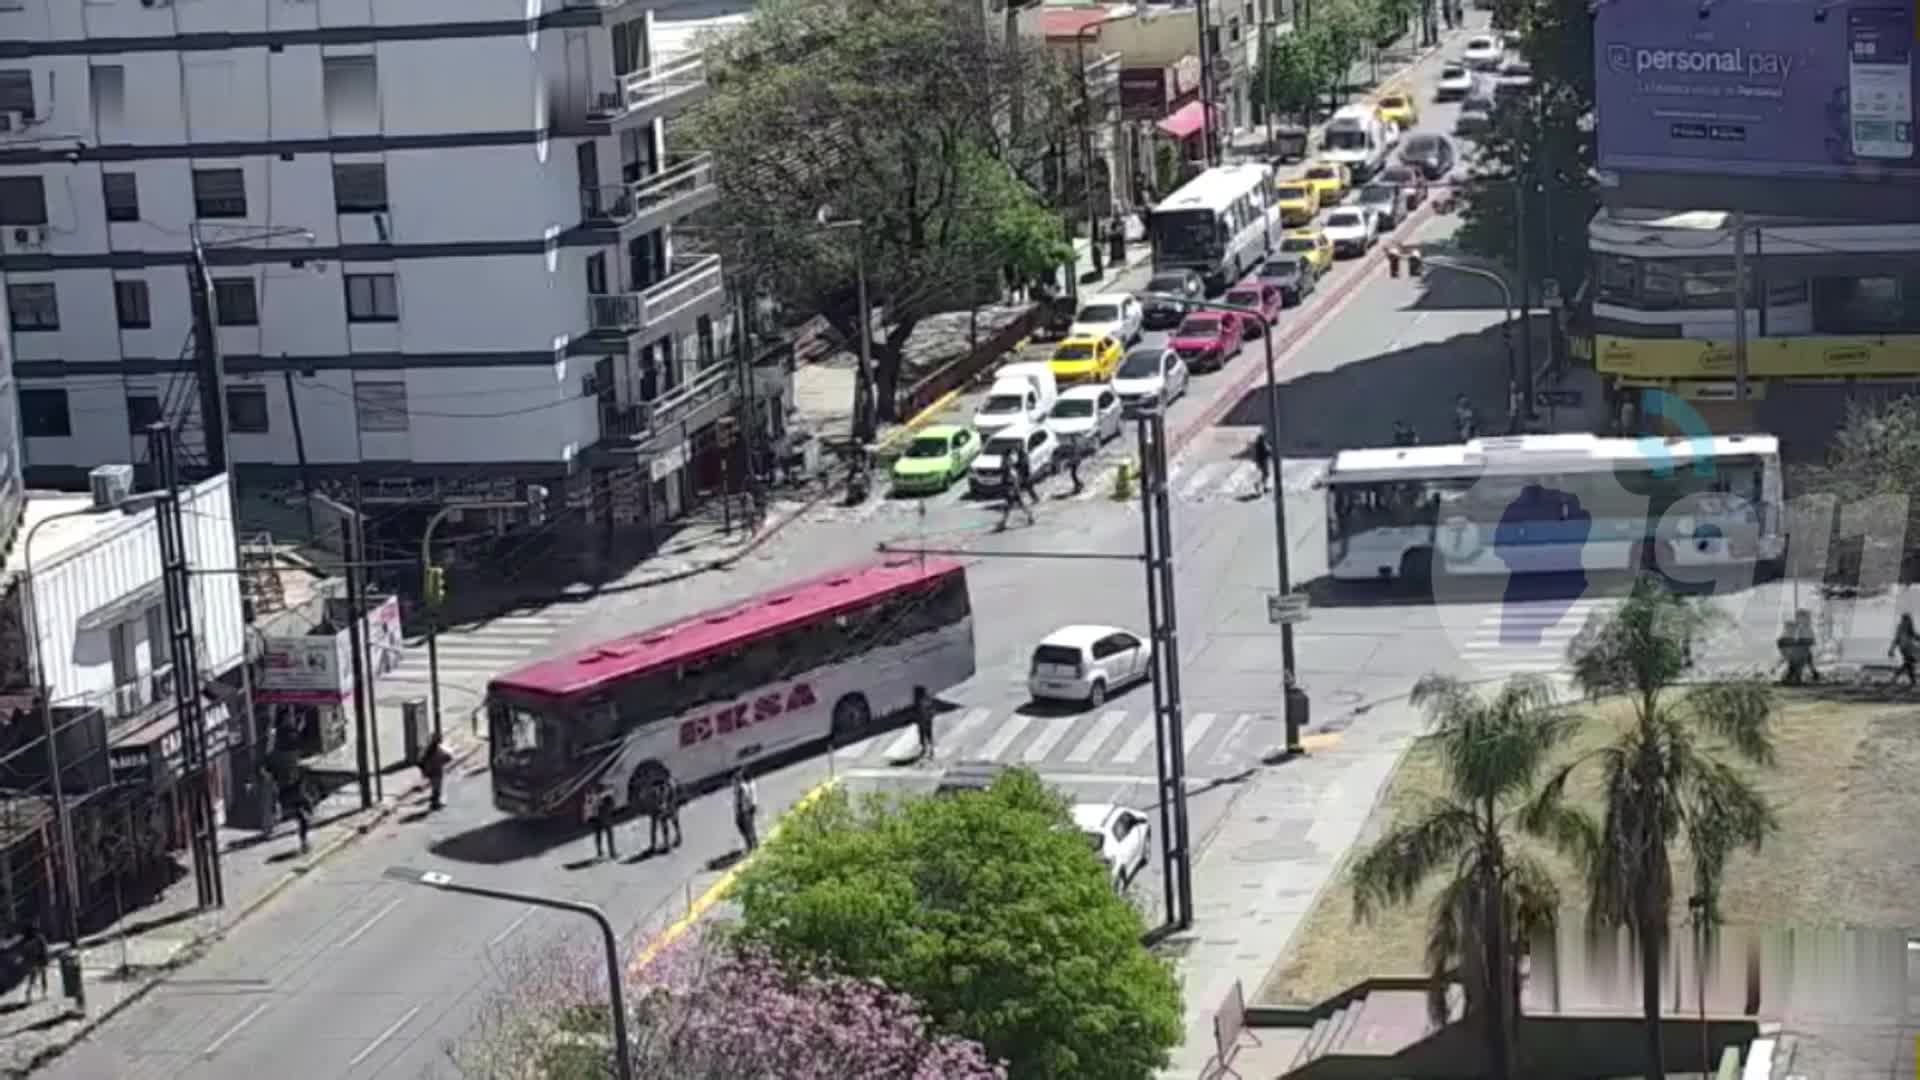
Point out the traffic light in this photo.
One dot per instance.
(436, 585)
(536, 504)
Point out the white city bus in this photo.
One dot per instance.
(1220, 225)
(1553, 504)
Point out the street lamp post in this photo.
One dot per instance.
(863, 390)
(433, 594)
(616, 997)
(1086, 146)
(1282, 571)
(62, 823)
(1506, 327)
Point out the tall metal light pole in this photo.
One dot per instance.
(62, 824)
(1296, 701)
(1506, 298)
(433, 590)
(616, 994)
(864, 385)
(1086, 145)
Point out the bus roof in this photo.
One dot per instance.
(1218, 186)
(708, 631)
(1524, 455)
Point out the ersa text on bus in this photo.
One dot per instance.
(742, 715)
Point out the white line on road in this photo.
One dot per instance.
(1050, 737)
(907, 743)
(1051, 777)
(1197, 729)
(972, 719)
(1224, 753)
(214, 1046)
(1003, 738)
(384, 1036)
(368, 925)
(1198, 483)
(1103, 730)
(515, 925)
(1136, 744)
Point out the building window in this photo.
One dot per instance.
(219, 193)
(630, 47)
(360, 187)
(121, 192)
(381, 407)
(234, 303)
(108, 83)
(23, 201)
(130, 301)
(16, 93)
(351, 85)
(597, 274)
(372, 298)
(143, 411)
(247, 410)
(43, 414)
(33, 306)
(703, 329)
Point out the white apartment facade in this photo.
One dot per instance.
(439, 236)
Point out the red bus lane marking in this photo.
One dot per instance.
(1295, 333)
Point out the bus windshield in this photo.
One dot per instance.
(1346, 138)
(526, 744)
(1188, 234)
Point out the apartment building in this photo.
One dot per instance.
(13, 493)
(439, 237)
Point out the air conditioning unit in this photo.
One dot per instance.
(130, 698)
(111, 485)
(27, 238)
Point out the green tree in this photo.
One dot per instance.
(1295, 74)
(1872, 470)
(1540, 147)
(1495, 897)
(880, 112)
(1664, 780)
(989, 908)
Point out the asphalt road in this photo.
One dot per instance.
(353, 976)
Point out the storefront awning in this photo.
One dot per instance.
(1186, 121)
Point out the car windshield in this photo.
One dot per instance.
(1393, 103)
(1453, 71)
(1296, 243)
(1099, 313)
(1280, 268)
(1399, 174)
(1480, 44)
(1005, 445)
(1167, 283)
(1346, 138)
(1200, 326)
(1421, 145)
(1244, 297)
(1004, 403)
(1377, 193)
(1293, 192)
(1325, 172)
(1073, 408)
(1141, 364)
(1073, 352)
(1346, 219)
(928, 446)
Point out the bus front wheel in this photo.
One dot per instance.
(851, 714)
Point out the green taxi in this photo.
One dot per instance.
(936, 457)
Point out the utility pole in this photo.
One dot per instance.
(299, 446)
(189, 705)
(1163, 629)
(209, 370)
(366, 642)
(749, 402)
(355, 604)
(62, 820)
(1086, 148)
(1203, 24)
(1520, 186)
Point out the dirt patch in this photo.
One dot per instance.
(1844, 791)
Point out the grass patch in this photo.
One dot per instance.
(1844, 791)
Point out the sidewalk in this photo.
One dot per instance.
(120, 963)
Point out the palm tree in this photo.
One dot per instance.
(1495, 897)
(1663, 778)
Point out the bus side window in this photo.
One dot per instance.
(760, 663)
(596, 723)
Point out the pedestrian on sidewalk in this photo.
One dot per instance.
(746, 805)
(599, 810)
(923, 721)
(294, 801)
(1906, 642)
(1262, 461)
(1074, 450)
(1011, 490)
(434, 760)
(1024, 463)
(33, 957)
(663, 813)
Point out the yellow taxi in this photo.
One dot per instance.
(1298, 201)
(1086, 359)
(1331, 179)
(1400, 110)
(1310, 244)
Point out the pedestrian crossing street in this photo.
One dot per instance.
(1190, 482)
(472, 655)
(1103, 741)
(1526, 637)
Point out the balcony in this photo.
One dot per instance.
(702, 399)
(662, 199)
(138, 698)
(693, 285)
(646, 95)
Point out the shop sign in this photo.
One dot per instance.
(302, 663)
(1801, 357)
(1144, 93)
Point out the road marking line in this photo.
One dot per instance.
(1222, 753)
(1136, 744)
(1201, 479)
(908, 741)
(719, 888)
(1197, 726)
(1009, 731)
(384, 1036)
(214, 1046)
(855, 750)
(1050, 737)
(511, 927)
(973, 718)
(1051, 777)
(368, 925)
(486, 644)
(1103, 729)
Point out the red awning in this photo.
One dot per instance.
(1187, 120)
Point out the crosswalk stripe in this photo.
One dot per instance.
(1203, 478)
(1136, 743)
(1197, 726)
(908, 742)
(1224, 753)
(971, 719)
(490, 643)
(454, 663)
(855, 751)
(1049, 738)
(1103, 729)
(1009, 731)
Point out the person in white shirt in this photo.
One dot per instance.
(746, 804)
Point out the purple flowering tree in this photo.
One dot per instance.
(707, 1010)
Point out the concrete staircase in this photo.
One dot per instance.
(1378, 1024)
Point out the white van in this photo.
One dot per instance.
(1040, 374)
(1010, 403)
(1359, 138)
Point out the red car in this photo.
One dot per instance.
(1206, 338)
(1263, 298)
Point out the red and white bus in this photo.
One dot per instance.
(724, 688)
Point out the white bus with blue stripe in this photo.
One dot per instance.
(1536, 504)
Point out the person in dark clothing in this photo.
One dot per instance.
(1906, 642)
(599, 806)
(34, 956)
(746, 806)
(923, 721)
(294, 801)
(1024, 465)
(1262, 462)
(433, 765)
(663, 813)
(1074, 451)
(1012, 491)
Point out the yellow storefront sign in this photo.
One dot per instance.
(1673, 358)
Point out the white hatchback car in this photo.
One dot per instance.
(1150, 377)
(1086, 663)
(1483, 52)
(983, 478)
(1085, 417)
(1123, 837)
(1116, 315)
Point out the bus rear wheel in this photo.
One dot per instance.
(851, 715)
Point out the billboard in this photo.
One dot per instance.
(1783, 100)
